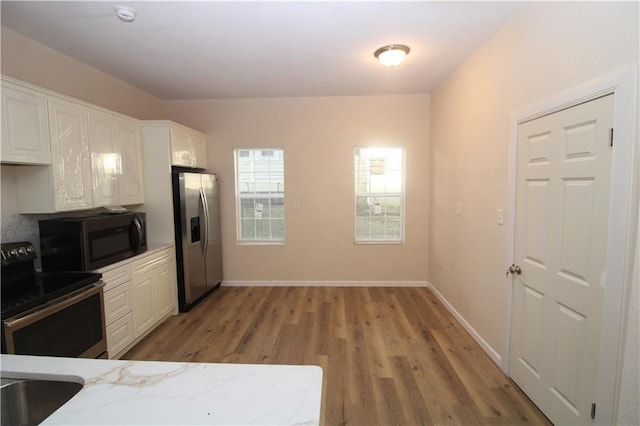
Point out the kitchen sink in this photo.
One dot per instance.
(30, 401)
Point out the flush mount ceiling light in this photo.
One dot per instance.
(392, 54)
(125, 13)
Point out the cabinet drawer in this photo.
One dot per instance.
(151, 262)
(120, 334)
(118, 301)
(116, 276)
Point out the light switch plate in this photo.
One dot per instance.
(500, 217)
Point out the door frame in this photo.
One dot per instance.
(623, 213)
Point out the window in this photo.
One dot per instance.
(260, 195)
(379, 195)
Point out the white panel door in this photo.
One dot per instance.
(563, 182)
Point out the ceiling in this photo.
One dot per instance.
(238, 49)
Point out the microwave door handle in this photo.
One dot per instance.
(138, 226)
(203, 241)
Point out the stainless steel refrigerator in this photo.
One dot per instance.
(196, 208)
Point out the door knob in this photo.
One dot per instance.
(514, 269)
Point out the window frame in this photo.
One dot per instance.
(401, 195)
(239, 197)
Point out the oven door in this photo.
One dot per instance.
(71, 326)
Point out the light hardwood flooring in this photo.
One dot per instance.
(391, 356)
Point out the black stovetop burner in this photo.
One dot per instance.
(24, 288)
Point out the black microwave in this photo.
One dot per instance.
(87, 243)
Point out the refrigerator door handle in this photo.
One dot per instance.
(205, 209)
(203, 241)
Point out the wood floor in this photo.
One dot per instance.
(391, 356)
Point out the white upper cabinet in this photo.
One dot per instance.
(188, 147)
(200, 149)
(93, 156)
(181, 153)
(106, 158)
(66, 183)
(25, 126)
(70, 164)
(132, 182)
(116, 160)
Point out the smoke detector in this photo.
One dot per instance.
(125, 13)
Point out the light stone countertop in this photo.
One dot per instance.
(178, 393)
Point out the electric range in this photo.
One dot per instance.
(49, 313)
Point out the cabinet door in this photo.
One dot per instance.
(181, 148)
(143, 304)
(200, 151)
(106, 159)
(165, 289)
(71, 170)
(25, 126)
(132, 182)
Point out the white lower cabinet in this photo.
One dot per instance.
(154, 289)
(118, 308)
(166, 287)
(139, 294)
(143, 295)
(120, 334)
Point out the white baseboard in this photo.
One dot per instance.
(495, 356)
(325, 284)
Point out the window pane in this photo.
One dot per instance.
(247, 229)
(263, 229)
(379, 187)
(277, 207)
(277, 229)
(247, 208)
(260, 188)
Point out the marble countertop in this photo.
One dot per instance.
(150, 392)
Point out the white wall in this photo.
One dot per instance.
(318, 136)
(548, 48)
(629, 410)
(35, 63)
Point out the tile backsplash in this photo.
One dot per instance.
(18, 227)
(21, 227)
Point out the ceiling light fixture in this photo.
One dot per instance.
(125, 13)
(392, 54)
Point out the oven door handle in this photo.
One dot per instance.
(31, 316)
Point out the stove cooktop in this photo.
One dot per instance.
(19, 295)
